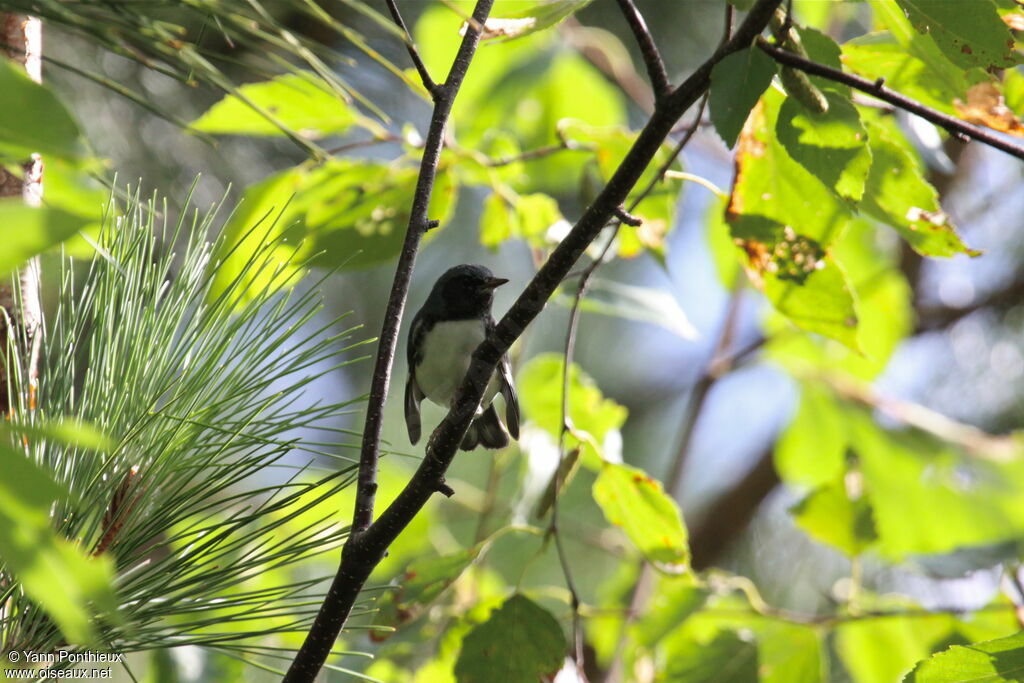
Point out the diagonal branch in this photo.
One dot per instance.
(877, 88)
(648, 50)
(414, 54)
(345, 587)
(367, 545)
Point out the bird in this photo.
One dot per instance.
(452, 323)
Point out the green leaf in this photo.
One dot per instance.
(35, 121)
(831, 516)
(643, 304)
(421, 583)
(832, 145)
(884, 649)
(523, 88)
(924, 48)
(884, 313)
(26, 231)
(592, 416)
(812, 450)
(898, 194)
(991, 661)
(346, 214)
(726, 657)
(970, 32)
(631, 499)
(736, 85)
(537, 15)
(528, 217)
(772, 191)
(822, 303)
(519, 643)
(928, 498)
(303, 102)
(880, 55)
(656, 210)
(66, 583)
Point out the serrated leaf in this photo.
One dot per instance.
(822, 303)
(898, 194)
(26, 231)
(991, 661)
(969, 32)
(832, 145)
(519, 643)
(303, 102)
(633, 500)
(880, 55)
(884, 312)
(736, 85)
(34, 120)
(772, 191)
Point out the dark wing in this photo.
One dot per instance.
(508, 390)
(413, 394)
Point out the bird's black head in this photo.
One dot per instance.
(463, 292)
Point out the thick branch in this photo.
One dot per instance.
(349, 580)
(877, 89)
(365, 549)
(648, 50)
(419, 223)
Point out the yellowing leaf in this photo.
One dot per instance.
(637, 503)
(985, 106)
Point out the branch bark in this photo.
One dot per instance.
(648, 50)
(21, 315)
(368, 544)
(349, 580)
(877, 89)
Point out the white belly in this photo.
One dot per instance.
(447, 352)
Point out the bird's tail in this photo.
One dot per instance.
(486, 431)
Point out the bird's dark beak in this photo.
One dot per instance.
(495, 282)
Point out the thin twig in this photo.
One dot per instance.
(553, 529)
(714, 369)
(348, 581)
(877, 88)
(410, 45)
(648, 50)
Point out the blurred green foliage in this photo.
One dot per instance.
(825, 210)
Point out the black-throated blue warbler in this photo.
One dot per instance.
(454, 320)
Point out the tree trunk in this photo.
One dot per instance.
(21, 317)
